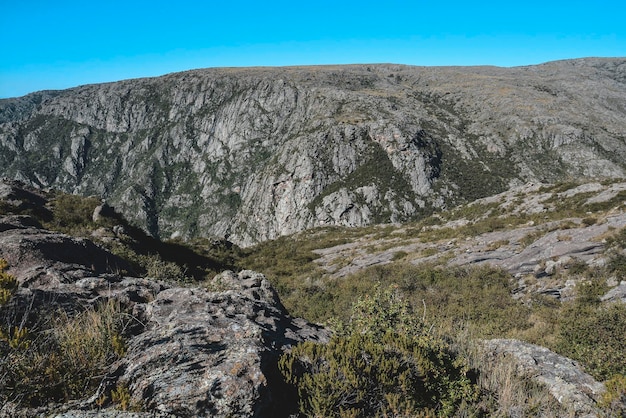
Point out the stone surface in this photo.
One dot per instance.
(41, 258)
(261, 152)
(616, 294)
(214, 353)
(563, 378)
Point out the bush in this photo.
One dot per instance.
(593, 333)
(384, 361)
(594, 336)
(72, 214)
(159, 269)
(614, 399)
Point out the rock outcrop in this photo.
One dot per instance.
(214, 353)
(563, 378)
(542, 250)
(257, 153)
(193, 352)
(44, 258)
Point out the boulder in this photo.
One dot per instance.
(563, 377)
(616, 294)
(214, 353)
(40, 258)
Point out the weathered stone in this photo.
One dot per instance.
(618, 293)
(39, 257)
(15, 194)
(18, 222)
(214, 353)
(101, 210)
(563, 378)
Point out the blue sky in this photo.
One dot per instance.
(61, 44)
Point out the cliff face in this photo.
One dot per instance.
(256, 153)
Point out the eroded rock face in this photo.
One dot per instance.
(258, 153)
(564, 379)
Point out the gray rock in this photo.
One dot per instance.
(563, 377)
(18, 222)
(23, 198)
(214, 353)
(101, 210)
(42, 258)
(616, 294)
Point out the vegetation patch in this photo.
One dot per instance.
(384, 361)
(8, 284)
(593, 333)
(62, 358)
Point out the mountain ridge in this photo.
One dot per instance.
(255, 153)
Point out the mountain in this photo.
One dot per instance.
(256, 153)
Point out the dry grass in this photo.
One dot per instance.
(64, 360)
(505, 392)
(497, 244)
(93, 337)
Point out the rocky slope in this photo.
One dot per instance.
(211, 349)
(535, 232)
(262, 152)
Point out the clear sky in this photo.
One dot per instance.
(62, 43)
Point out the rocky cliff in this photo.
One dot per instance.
(261, 152)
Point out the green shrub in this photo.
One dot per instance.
(614, 399)
(617, 256)
(157, 268)
(479, 296)
(384, 362)
(16, 337)
(72, 214)
(121, 398)
(594, 336)
(617, 264)
(589, 220)
(399, 255)
(593, 333)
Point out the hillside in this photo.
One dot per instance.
(513, 305)
(256, 153)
